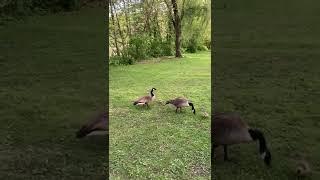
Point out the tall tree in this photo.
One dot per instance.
(114, 31)
(176, 19)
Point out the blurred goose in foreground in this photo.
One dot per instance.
(97, 124)
(228, 129)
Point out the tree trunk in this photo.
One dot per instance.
(177, 28)
(116, 18)
(114, 30)
(126, 12)
(178, 41)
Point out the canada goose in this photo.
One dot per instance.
(181, 102)
(99, 123)
(302, 168)
(145, 100)
(228, 129)
(204, 114)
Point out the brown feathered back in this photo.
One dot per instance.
(143, 100)
(179, 102)
(228, 128)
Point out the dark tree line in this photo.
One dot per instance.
(16, 8)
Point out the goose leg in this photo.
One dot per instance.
(176, 110)
(225, 150)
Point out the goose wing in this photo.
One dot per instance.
(180, 102)
(228, 128)
(142, 100)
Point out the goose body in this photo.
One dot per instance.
(229, 128)
(145, 100)
(180, 103)
(98, 123)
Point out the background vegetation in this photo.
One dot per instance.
(266, 65)
(139, 29)
(17, 9)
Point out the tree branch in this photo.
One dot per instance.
(182, 10)
(170, 11)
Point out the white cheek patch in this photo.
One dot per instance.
(263, 155)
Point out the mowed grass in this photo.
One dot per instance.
(267, 68)
(157, 143)
(53, 79)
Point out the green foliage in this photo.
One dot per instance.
(142, 47)
(29, 7)
(160, 48)
(138, 47)
(120, 60)
(191, 48)
(192, 44)
(155, 47)
(167, 48)
(202, 48)
(196, 26)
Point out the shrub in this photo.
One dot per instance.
(167, 48)
(192, 44)
(155, 49)
(202, 48)
(138, 47)
(207, 43)
(29, 7)
(121, 60)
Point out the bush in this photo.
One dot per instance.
(138, 47)
(160, 48)
(202, 48)
(121, 60)
(167, 48)
(155, 49)
(29, 7)
(141, 47)
(208, 43)
(192, 45)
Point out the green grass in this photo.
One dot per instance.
(267, 69)
(52, 79)
(157, 143)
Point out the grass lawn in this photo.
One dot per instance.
(267, 68)
(157, 143)
(52, 79)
